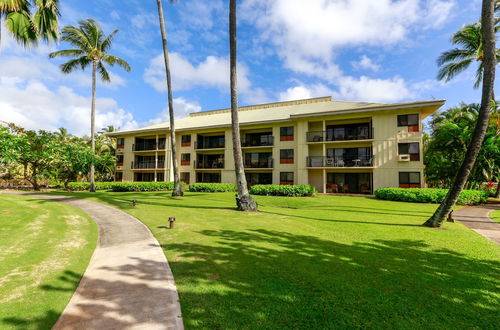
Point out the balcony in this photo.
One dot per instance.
(209, 164)
(148, 165)
(263, 163)
(258, 141)
(209, 144)
(149, 145)
(338, 161)
(360, 133)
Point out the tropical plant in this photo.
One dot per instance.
(489, 57)
(91, 46)
(177, 186)
(244, 201)
(27, 28)
(455, 61)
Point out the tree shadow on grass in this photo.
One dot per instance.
(274, 280)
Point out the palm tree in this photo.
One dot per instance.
(455, 61)
(244, 201)
(177, 186)
(27, 28)
(489, 57)
(91, 45)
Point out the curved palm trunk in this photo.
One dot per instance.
(244, 201)
(177, 186)
(92, 127)
(488, 35)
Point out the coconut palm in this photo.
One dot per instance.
(455, 61)
(244, 201)
(27, 28)
(91, 45)
(177, 186)
(488, 59)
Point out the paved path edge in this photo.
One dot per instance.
(477, 219)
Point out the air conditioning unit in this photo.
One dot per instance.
(119, 167)
(404, 158)
(119, 150)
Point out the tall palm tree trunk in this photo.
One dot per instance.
(177, 186)
(489, 62)
(92, 127)
(244, 201)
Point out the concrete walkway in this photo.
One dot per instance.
(128, 283)
(476, 218)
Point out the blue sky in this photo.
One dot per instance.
(357, 50)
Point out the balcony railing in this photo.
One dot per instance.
(148, 146)
(339, 161)
(330, 135)
(148, 165)
(261, 141)
(209, 164)
(264, 163)
(209, 145)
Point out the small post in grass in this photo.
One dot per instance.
(171, 222)
(134, 202)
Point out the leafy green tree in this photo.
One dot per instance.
(74, 159)
(27, 28)
(244, 201)
(444, 149)
(177, 185)
(91, 47)
(489, 60)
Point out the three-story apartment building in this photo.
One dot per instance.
(336, 146)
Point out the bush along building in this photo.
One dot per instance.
(336, 146)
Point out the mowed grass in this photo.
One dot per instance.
(45, 247)
(319, 263)
(495, 215)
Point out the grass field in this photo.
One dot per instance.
(317, 263)
(495, 216)
(45, 247)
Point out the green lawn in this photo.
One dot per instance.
(495, 216)
(45, 247)
(325, 262)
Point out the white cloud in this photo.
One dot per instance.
(213, 72)
(308, 34)
(366, 63)
(33, 105)
(182, 108)
(300, 92)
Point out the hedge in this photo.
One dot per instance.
(430, 195)
(124, 186)
(82, 186)
(212, 187)
(299, 190)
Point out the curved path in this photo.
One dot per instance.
(476, 218)
(128, 283)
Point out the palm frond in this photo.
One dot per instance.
(112, 60)
(450, 70)
(67, 53)
(454, 55)
(21, 27)
(468, 37)
(106, 43)
(12, 5)
(103, 72)
(479, 75)
(92, 30)
(76, 37)
(71, 65)
(46, 19)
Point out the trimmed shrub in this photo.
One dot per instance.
(212, 187)
(143, 186)
(82, 186)
(430, 195)
(298, 190)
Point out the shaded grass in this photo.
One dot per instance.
(325, 262)
(42, 245)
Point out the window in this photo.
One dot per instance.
(119, 160)
(286, 156)
(185, 159)
(413, 149)
(286, 133)
(119, 176)
(160, 176)
(186, 140)
(185, 177)
(144, 177)
(411, 121)
(409, 179)
(120, 143)
(286, 177)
